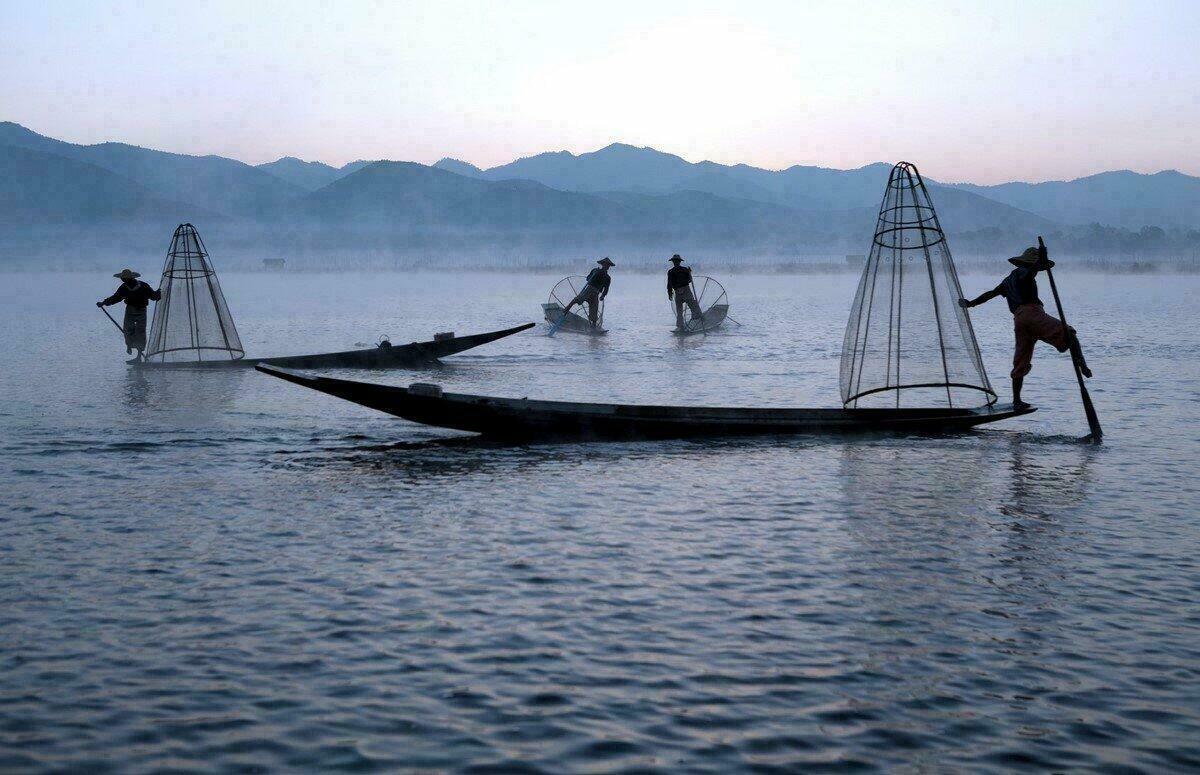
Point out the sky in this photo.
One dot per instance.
(983, 92)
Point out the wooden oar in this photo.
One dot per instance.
(696, 298)
(114, 320)
(1088, 409)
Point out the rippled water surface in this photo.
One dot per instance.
(220, 571)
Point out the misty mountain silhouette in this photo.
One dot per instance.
(309, 175)
(213, 183)
(620, 167)
(459, 167)
(1120, 198)
(48, 188)
(409, 195)
(640, 193)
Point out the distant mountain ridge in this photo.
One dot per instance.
(309, 175)
(459, 167)
(51, 188)
(639, 196)
(1121, 198)
(214, 183)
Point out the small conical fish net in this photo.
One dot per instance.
(191, 320)
(908, 342)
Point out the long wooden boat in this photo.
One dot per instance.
(384, 356)
(521, 418)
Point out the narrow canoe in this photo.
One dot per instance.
(521, 418)
(574, 323)
(385, 357)
(712, 320)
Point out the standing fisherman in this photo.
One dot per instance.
(137, 296)
(679, 288)
(1030, 320)
(594, 290)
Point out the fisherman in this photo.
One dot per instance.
(679, 288)
(137, 296)
(594, 290)
(1030, 320)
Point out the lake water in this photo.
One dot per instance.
(221, 571)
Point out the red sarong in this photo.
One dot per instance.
(1032, 324)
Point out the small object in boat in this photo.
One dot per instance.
(384, 343)
(425, 389)
(442, 336)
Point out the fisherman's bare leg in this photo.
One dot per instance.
(1022, 364)
(1017, 383)
(1077, 352)
(678, 311)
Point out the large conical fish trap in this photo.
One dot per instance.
(909, 343)
(191, 321)
(713, 302)
(561, 295)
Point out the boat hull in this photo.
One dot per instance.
(395, 356)
(510, 418)
(713, 319)
(573, 323)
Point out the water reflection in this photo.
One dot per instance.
(195, 393)
(137, 389)
(958, 547)
(1046, 474)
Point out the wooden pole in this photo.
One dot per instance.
(1088, 409)
(703, 325)
(114, 321)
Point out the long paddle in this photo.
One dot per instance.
(1088, 409)
(114, 320)
(696, 298)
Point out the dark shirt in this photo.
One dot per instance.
(599, 278)
(1020, 287)
(137, 296)
(678, 277)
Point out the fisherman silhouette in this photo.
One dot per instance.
(137, 296)
(679, 290)
(594, 291)
(1030, 320)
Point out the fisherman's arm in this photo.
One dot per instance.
(981, 298)
(155, 294)
(607, 282)
(670, 293)
(111, 300)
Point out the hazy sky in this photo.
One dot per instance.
(978, 91)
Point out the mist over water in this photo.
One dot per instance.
(224, 571)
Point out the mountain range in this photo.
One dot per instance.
(620, 193)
